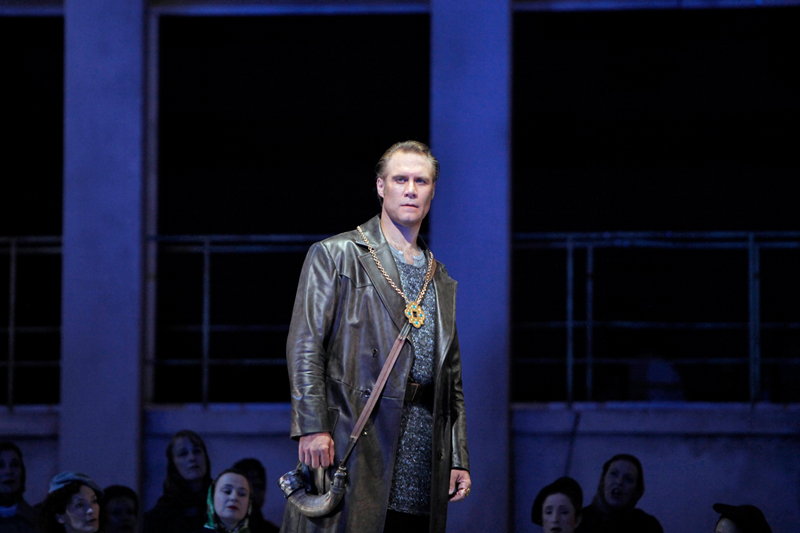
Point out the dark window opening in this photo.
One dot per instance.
(655, 121)
(268, 127)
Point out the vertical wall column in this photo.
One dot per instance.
(470, 230)
(100, 428)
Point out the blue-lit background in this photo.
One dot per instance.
(184, 154)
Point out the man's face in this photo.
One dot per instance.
(407, 189)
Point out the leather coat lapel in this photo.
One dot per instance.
(391, 299)
(445, 288)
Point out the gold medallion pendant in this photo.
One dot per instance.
(415, 314)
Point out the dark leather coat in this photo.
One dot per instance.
(346, 318)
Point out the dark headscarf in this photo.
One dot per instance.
(213, 522)
(177, 491)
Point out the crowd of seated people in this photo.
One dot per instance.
(191, 501)
(194, 503)
(558, 507)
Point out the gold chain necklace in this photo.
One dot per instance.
(414, 312)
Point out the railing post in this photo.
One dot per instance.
(589, 319)
(206, 316)
(755, 318)
(12, 320)
(570, 317)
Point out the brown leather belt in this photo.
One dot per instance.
(416, 392)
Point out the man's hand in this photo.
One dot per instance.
(316, 449)
(460, 485)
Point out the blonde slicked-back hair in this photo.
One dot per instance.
(408, 147)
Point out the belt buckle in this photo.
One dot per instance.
(416, 392)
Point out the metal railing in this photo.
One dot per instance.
(751, 242)
(206, 246)
(14, 247)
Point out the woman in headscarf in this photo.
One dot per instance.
(71, 505)
(16, 516)
(181, 508)
(229, 503)
(557, 507)
(613, 509)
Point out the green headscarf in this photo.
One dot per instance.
(213, 521)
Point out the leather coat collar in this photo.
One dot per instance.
(393, 302)
(443, 284)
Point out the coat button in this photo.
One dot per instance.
(367, 393)
(374, 352)
(441, 455)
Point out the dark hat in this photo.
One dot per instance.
(748, 518)
(563, 485)
(65, 478)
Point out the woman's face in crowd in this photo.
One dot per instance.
(189, 459)
(619, 484)
(558, 514)
(121, 512)
(231, 498)
(10, 471)
(82, 512)
(725, 525)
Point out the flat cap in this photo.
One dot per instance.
(65, 478)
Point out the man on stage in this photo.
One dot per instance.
(352, 300)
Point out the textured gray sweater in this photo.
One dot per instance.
(411, 482)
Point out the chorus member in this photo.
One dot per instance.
(72, 505)
(16, 515)
(557, 507)
(229, 503)
(257, 476)
(119, 510)
(354, 291)
(182, 506)
(613, 509)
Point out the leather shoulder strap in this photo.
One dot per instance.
(383, 377)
